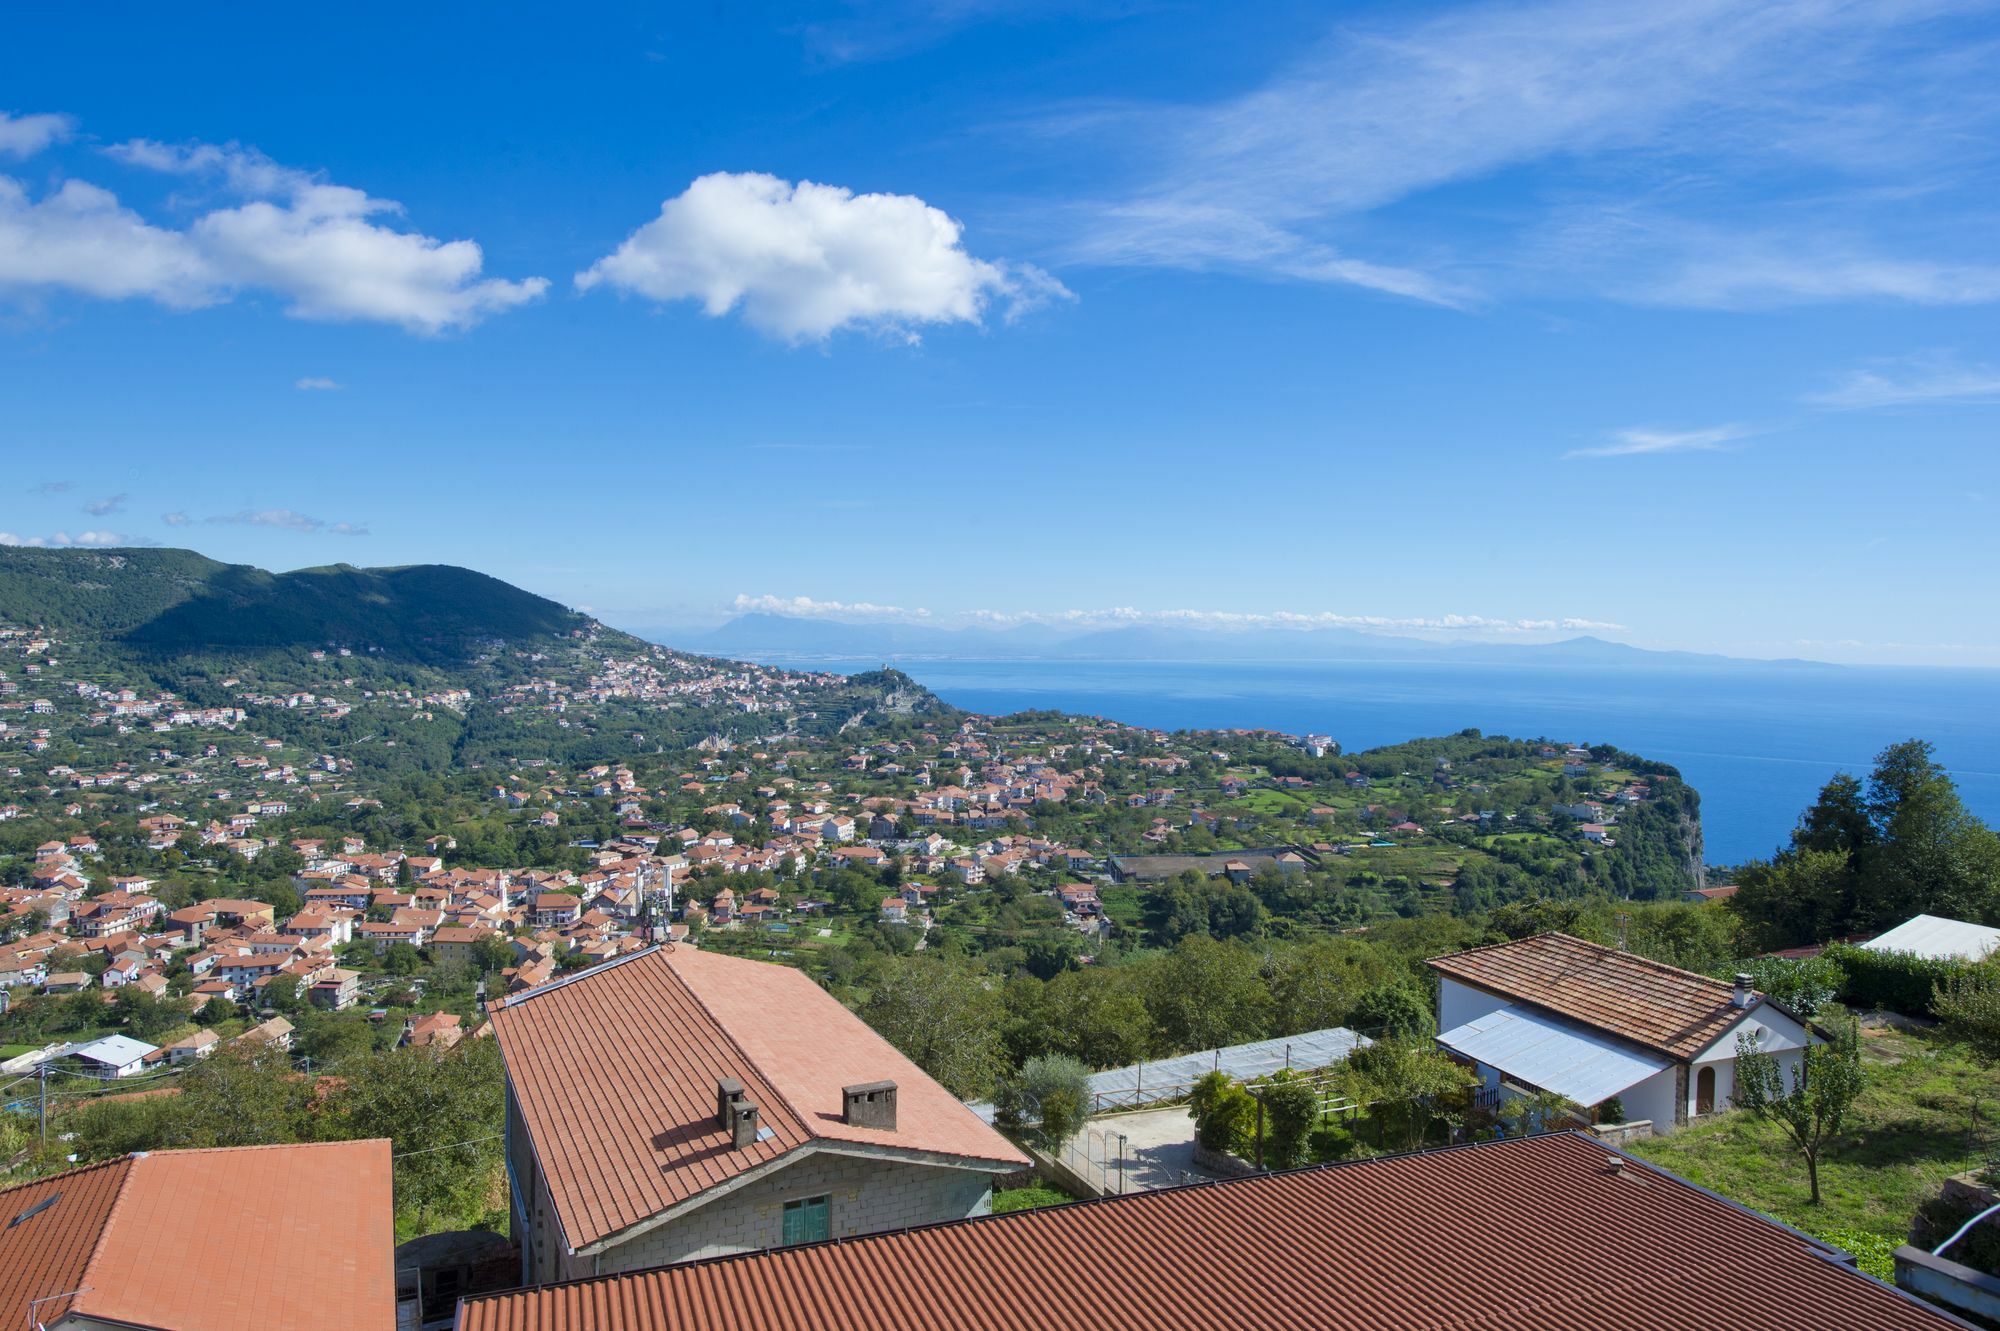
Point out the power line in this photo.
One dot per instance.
(426, 1150)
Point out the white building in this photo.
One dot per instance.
(112, 1057)
(1935, 938)
(1588, 1022)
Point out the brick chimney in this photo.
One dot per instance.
(743, 1124)
(869, 1105)
(1744, 993)
(728, 1095)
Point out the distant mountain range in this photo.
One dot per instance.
(178, 603)
(770, 637)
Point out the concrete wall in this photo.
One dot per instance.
(1652, 1099)
(1962, 1289)
(1460, 1003)
(866, 1196)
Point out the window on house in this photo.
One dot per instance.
(807, 1220)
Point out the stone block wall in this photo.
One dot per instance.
(865, 1196)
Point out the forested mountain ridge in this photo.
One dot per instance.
(179, 603)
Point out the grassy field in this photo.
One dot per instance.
(1926, 1113)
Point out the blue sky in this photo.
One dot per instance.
(1674, 323)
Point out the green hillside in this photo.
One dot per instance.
(179, 603)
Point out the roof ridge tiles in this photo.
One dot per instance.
(97, 1245)
(548, 986)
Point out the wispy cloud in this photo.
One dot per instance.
(176, 519)
(806, 607)
(1636, 441)
(1722, 117)
(284, 519)
(53, 488)
(98, 508)
(317, 384)
(1912, 381)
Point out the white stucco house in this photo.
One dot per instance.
(1588, 1022)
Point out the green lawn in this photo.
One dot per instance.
(1927, 1113)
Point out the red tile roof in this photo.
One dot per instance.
(235, 1239)
(1646, 1002)
(1519, 1235)
(615, 1072)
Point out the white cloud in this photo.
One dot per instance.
(24, 136)
(1635, 441)
(63, 538)
(80, 238)
(176, 519)
(322, 248)
(806, 607)
(284, 519)
(1912, 382)
(804, 261)
(317, 384)
(98, 508)
(1718, 109)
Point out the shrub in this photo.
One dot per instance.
(1330, 1141)
(1803, 984)
(1969, 1008)
(1873, 1253)
(1224, 1113)
(1291, 1107)
(1028, 1199)
(1050, 1090)
(1391, 1011)
(1898, 981)
(1611, 1110)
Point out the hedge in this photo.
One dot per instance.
(1895, 981)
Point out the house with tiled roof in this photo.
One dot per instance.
(1593, 1023)
(676, 1104)
(1525, 1234)
(141, 1243)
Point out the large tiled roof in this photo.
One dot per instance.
(236, 1239)
(615, 1072)
(1519, 1235)
(1646, 1002)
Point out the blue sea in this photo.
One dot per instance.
(1757, 742)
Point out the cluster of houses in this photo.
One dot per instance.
(698, 1142)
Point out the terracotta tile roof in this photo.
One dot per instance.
(236, 1239)
(1519, 1235)
(1646, 1002)
(46, 1252)
(615, 1072)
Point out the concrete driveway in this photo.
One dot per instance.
(1158, 1148)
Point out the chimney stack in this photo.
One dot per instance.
(1742, 996)
(728, 1095)
(869, 1105)
(743, 1126)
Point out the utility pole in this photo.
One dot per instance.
(42, 1078)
